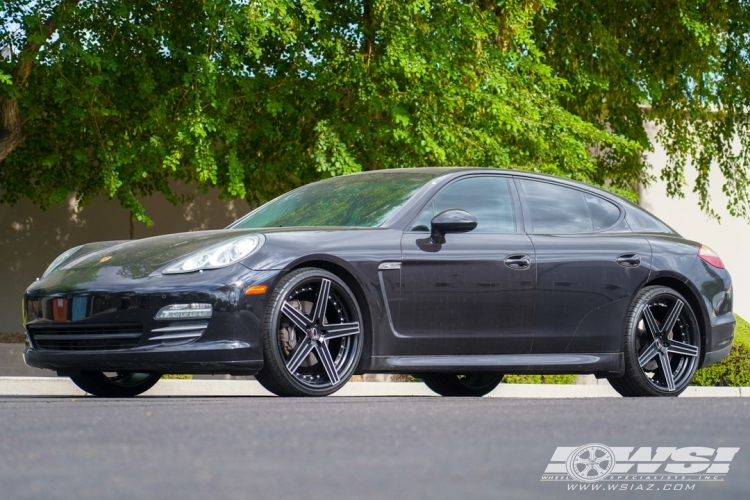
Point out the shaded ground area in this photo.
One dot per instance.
(372, 448)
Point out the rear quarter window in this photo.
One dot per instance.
(641, 221)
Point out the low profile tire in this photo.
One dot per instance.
(312, 335)
(661, 345)
(470, 385)
(119, 385)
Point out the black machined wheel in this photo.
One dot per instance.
(662, 345)
(469, 385)
(312, 335)
(115, 385)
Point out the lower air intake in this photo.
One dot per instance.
(85, 337)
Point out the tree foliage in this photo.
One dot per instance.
(121, 97)
(684, 65)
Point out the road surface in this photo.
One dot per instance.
(346, 448)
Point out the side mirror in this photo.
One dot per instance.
(451, 221)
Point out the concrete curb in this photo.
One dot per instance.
(46, 386)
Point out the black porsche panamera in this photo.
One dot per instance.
(456, 275)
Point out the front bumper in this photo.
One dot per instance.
(232, 357)
(229, 342)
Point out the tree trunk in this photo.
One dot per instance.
(11, 133)
(10, 126)
(368, 28)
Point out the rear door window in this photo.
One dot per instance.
(603, 213)
(558, 209)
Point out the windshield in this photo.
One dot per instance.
(360, 200)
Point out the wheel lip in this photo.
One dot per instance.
(312, 390)
(688, 374)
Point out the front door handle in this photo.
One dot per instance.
(518, 261)
(629, 260)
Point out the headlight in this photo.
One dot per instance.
(217, 256)
(60, 259)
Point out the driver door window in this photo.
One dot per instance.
(486, 198)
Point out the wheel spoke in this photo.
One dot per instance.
(325, 357)
(300, 320)
(340, 330)
(666, 370)
(300, 354)
(322, 303)
(653, 325)
(682, 348)
(672, 318)
(648, 354)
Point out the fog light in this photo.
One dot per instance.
(185, 311)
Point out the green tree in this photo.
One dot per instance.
(684, 65)
(120, 97)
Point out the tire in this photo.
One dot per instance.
(660, 331)
(120, 385)
(471, 385)
(311, 346)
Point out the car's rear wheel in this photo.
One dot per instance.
(312, 335)
(661, 344)
(469, 385)
(117, 384)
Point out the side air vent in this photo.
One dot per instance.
(182, 331)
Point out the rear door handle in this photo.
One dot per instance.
(518, 261)
(629, 260)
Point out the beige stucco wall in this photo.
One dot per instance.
(31, 238)
(730, 238)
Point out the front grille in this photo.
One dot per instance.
(85, 337)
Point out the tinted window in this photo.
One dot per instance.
(486, 198)
(556, 209)
(560, 210)
(603, 213)
(642, 222)
(365, 200)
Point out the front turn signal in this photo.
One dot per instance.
(256, 290)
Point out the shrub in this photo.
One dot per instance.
(733, 371)
(540, 379)
(12, 338)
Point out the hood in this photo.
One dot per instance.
(139, 258)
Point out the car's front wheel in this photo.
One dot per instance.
(661, 344)
(312, 335)
(469, 385)
(115, 385)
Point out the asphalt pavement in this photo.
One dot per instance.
(351, 447)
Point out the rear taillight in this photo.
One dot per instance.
(708, 255)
